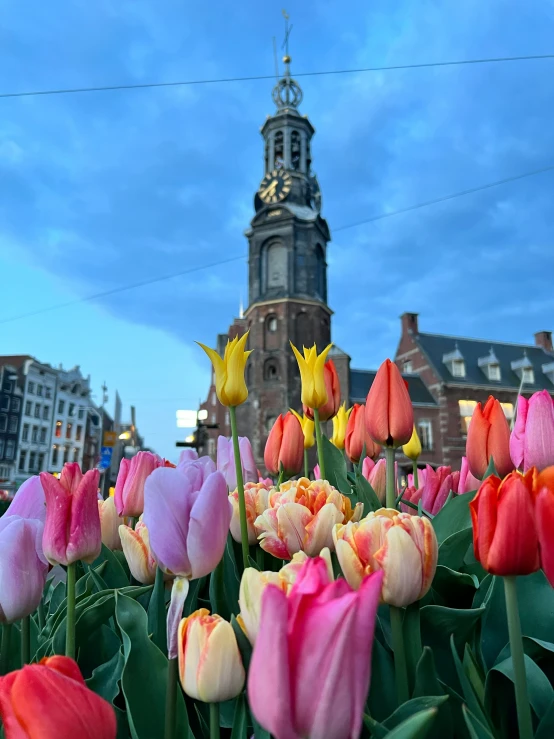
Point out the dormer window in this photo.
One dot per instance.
(407, 367)
(548, 370)
(455, 362)
(524, 370)
(490, 366)
(528, 375)
(458, 368)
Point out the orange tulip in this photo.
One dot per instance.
(389, 415)
(488, 436)
(285, 446)
(332, 385)
(357, 436)
(544, 516)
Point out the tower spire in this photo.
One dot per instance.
(287, 92)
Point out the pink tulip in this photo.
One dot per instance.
(315, 644)
(434, 490)
(317, 473)
(29, 501)
(129, 487)
(72, 528)
(187, 455)
(367, 465)
(532, 439)
(467, 483)
(23, 568)
(226, 461)
(420, 478)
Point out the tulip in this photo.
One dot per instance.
(187, 455)
(403, 546)
(505, 539)
(50, 700)
(389, 414)
(317, 472)
(315, 644)
(339, 426)
(230, 386)
(467, 482)
(226, 461)
(532, 440)
(488, 436)
(307, 424)
(210, 665)
(544, 517)
(421, 478)
(72, 528)
(357, 436)
(376, 476)
(129, 488)
(312, 375)
(413, 448)
(301, 517)
(109, 524)
(23, 568)
(285, 446)
(29, 501)
(332, 386)
(136, 548)
(437, 487)
(256, 496)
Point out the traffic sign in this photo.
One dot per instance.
(105, 458)
(110, 437)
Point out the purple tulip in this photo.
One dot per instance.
(226, 461)
(23, 568)
(532, 439)
(186, 456)
(29, 501)
(467, 483)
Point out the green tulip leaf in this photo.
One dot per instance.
(245, 648)
(491, 470)
(240, 724)
(499, 686)
(454, 516)
(452, 588)
(453, 549)
(411, 628)
(105, 678)
(157, 614)
(335, 466)
(474, 726)
(472, 698)
(367, 495)
(114, 573)
(415, 727)
(382, 693)
(545, 729)
(428, 684)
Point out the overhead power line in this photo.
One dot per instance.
(378, 217)
(254, 78)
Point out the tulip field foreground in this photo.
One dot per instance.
(207, 600)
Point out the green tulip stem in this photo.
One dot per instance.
(25, 640)
(319, 440)
(400, 667)
(5, 648)
(391, 482)
(171, 698)
(416, 476)
(214, 720)
(70, 616)
(306, 466)
(40, 614)
(518, 658)
(240, 488)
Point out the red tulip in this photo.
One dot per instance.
(505, 539)
(544, 516)
(50, 700)
(389, 415)
(488, 436)
(332, 385)
(357, 436)
(285, 446)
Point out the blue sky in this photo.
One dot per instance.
(103, 189)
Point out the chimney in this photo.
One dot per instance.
(409, 323)
(544, 339)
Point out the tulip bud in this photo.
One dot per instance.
(109, 524)
(210, 665)
(403, 546)
(285, 446)
(332, 386)
(129, 488)
(388, 411)
(307, 424)
(467, 483)
(230, 386)
(532, 440)
(377, 477)
(226, 461)
(357, 436)
(413, 448)
(312, 376)
(252, 585)
(136, 548)
(488, 436)
(544, 517)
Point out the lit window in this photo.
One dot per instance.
(528, 375)
(272, 324)
(425, 433)
(58, 431)
(68, 430)
(31, 388)
(25, 434)
(466, 411)
(494, 371)
(458, 368)
(508, 409)
(61, 406)
(39, 390)
(408, 367)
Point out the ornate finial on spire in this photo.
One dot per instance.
(287, 92)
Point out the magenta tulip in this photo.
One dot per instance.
(434, 490)
(532, 439)
(23, 567)
(129, 487)
(226, 461)
(72, 528)
(29, 501)
(467, 482)
(314, 644)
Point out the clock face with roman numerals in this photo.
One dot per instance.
(275, 186)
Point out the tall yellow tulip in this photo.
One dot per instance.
(339, 426)
(413, 448)
(314, 392)
(230, 386)
(307, 429)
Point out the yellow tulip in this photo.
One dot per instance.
(413, 448)
(230, 386)
(210, 665)
(339, 426)
(307, 429)
(314, 392)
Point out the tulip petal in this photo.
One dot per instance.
(29, 501)
(58, 505)
(179, 591)
(292, 519)
(401, 562)
(499, 440)
(377, 406)
(85, 534)
(269, 667)
(219, 370)
(120, 484)
(137, 554)
(210, 517)
(273, 446)
(483, 509)
(220, 673)
(477, 443)
(517, 437)
(539, 432)
(401, 412)
(544, 512)
(22, 573)
(319, 531)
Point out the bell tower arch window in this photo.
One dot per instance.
(271, 335)
(295, 150)
(275, 266)
(271, 370)
(279, 156)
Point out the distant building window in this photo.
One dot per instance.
(25, 434)
(211, 447)
(22, 460)
(279, 161)
(28, 406)
(466, 411)
(494, 371)
(32, 461)
(407, 366)
(66, 455)
(458, 368)
(71, 411)
(34, 433)
(271, 370)
(41, 462)
(10, 386)
(46, 412)
(54, 456)
(43, 434)
(227, 419)
(3, 422)
(31, 388)
(272, 324)
(16, 404)
(58, 432)
(68, 430)
(39, 390)
(508, 409)
(5, 404)
(78, 432)
(1, 448)
(37, 410)
(270, 420)
(528, 375)
(61, 406)
(47, 392)
(13, 424)
(425, 433)
(213, 398)
(10, 449)
(81, 413)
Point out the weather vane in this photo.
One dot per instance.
(288, 29)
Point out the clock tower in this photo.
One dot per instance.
(287, 282)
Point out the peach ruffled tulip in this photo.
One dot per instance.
(256, 496)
